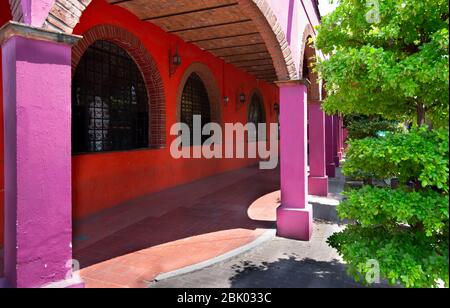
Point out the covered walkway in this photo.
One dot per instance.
(131, 244)
(123, 72)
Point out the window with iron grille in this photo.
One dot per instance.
(195, 101)
(110, 105)
(256, 112)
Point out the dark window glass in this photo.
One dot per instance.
(109, 102)
(256, 112)
(195, 101)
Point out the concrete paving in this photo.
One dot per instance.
(208, 234)
(279, 263)
(282, 263)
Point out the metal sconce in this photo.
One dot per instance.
(175, 61)
(242, 98)
(226, 99)
(276, 108)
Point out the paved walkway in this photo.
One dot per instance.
(281, 263)
(129, 245)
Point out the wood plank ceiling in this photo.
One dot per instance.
(217, 26)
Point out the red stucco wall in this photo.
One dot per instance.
(5, 15)
(104, 180)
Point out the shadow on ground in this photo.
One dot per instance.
(293, 273)
(207, 206)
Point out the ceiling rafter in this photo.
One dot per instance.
(216, 26)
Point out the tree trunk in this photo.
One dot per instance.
(420, 114)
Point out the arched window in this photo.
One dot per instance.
(110, 105)
(195, 101)
(256, 112)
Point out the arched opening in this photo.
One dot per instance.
(253, 24)
(311, 78)
(255, 44)
(195, 102)
(147, 68)
(110, 105)
(309, 72)
(256, 112)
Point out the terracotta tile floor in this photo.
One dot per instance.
(1, 262)
(130, 244)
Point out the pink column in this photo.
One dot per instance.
(336, 142)
(294, 216)
(318, 179)
(331, 167)
(37, 112)
(341, 139)
(345, 134)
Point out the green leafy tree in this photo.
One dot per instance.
(360, 126)
(404, 227)
(388, 58)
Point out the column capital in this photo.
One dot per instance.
(13, 28)
(293, 83)
(315, 102)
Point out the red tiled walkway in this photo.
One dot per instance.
(131, 244)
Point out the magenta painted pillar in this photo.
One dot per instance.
(294, 216)
(318, 179)
(345, 138)
(331, 167)
(342, 140)
(37, 120)
(336, 142)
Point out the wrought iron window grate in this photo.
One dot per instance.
(110, 105)
(256, 113)
(195, 101)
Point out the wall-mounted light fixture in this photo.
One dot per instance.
(242, 98)
(276, 108)
(226, 99)
(175, 61)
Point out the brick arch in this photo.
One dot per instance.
(147, 65)
(307, 33)
(274, 37)
(314, 91)
(206, 75)
(16, 10)
(65, 14)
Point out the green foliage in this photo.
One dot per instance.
(368, 127)
(393, 65)
(404, 229)
(420, 156)
(373, 206)
(404, 256)
(390, 67)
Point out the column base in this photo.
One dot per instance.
(337, 162)
(4, 284)
(64, 284)
(331, 170)
(74, 283)
(318, 186)
(296, 224)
